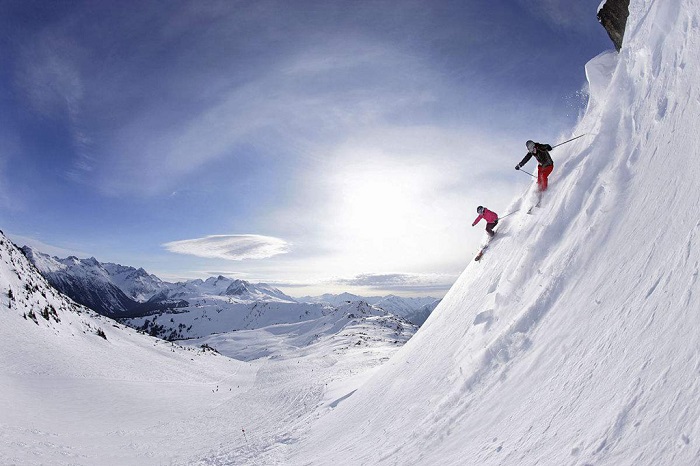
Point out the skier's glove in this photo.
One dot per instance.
(517, 167)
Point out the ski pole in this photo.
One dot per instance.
(562, 143)
(521, 170)
(504, 216)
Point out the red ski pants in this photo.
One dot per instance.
(542, 174)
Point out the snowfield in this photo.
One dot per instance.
(73, 396)
(574, 341)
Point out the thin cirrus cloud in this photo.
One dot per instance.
(562, 14)
(230, 247)
(291, 102)
(400, 281)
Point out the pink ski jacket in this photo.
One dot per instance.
(490, 217)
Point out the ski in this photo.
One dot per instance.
(539, 201)
(529, 211)
(485, 247)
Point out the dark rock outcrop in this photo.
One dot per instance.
(613, 17)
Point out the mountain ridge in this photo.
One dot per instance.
(126, 292)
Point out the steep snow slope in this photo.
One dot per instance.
(575, 340)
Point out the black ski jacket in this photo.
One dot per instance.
(541, 154)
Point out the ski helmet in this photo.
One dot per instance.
(480, 210)
(530, 146)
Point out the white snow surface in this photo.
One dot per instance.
(574, 341)
(354, 324)
(70, 396)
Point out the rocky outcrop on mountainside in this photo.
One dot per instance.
(613, 16)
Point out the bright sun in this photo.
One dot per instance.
(386, 213)
(376, 202)
(379, 216)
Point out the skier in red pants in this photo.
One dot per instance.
(546, 165)
(490, 217)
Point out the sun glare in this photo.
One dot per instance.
(387, 213)
(372, 200)
(379, 212)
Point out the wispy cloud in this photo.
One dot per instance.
(50, 79)
(230, 247)
(48, 75)
(292, 106)
(399, 281)
(4, 196)
(561, 13)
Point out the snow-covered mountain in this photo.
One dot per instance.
(337, 299)
(120, 291)
(415, 310)
(197, 308)
(355, 324)
(79, 388)
(137, 284)
(575, 340)
(304, 322)
(237, 290)
(86, 281)
(208, 314)
(419, 316)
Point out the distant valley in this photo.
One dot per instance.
(208, 311)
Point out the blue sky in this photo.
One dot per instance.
(319, 146)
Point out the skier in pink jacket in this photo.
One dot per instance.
(490, 217)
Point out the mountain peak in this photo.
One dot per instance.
(237, 288)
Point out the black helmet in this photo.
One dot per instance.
(480, 210)
(530, 146)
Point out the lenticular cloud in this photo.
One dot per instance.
(230, 247)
